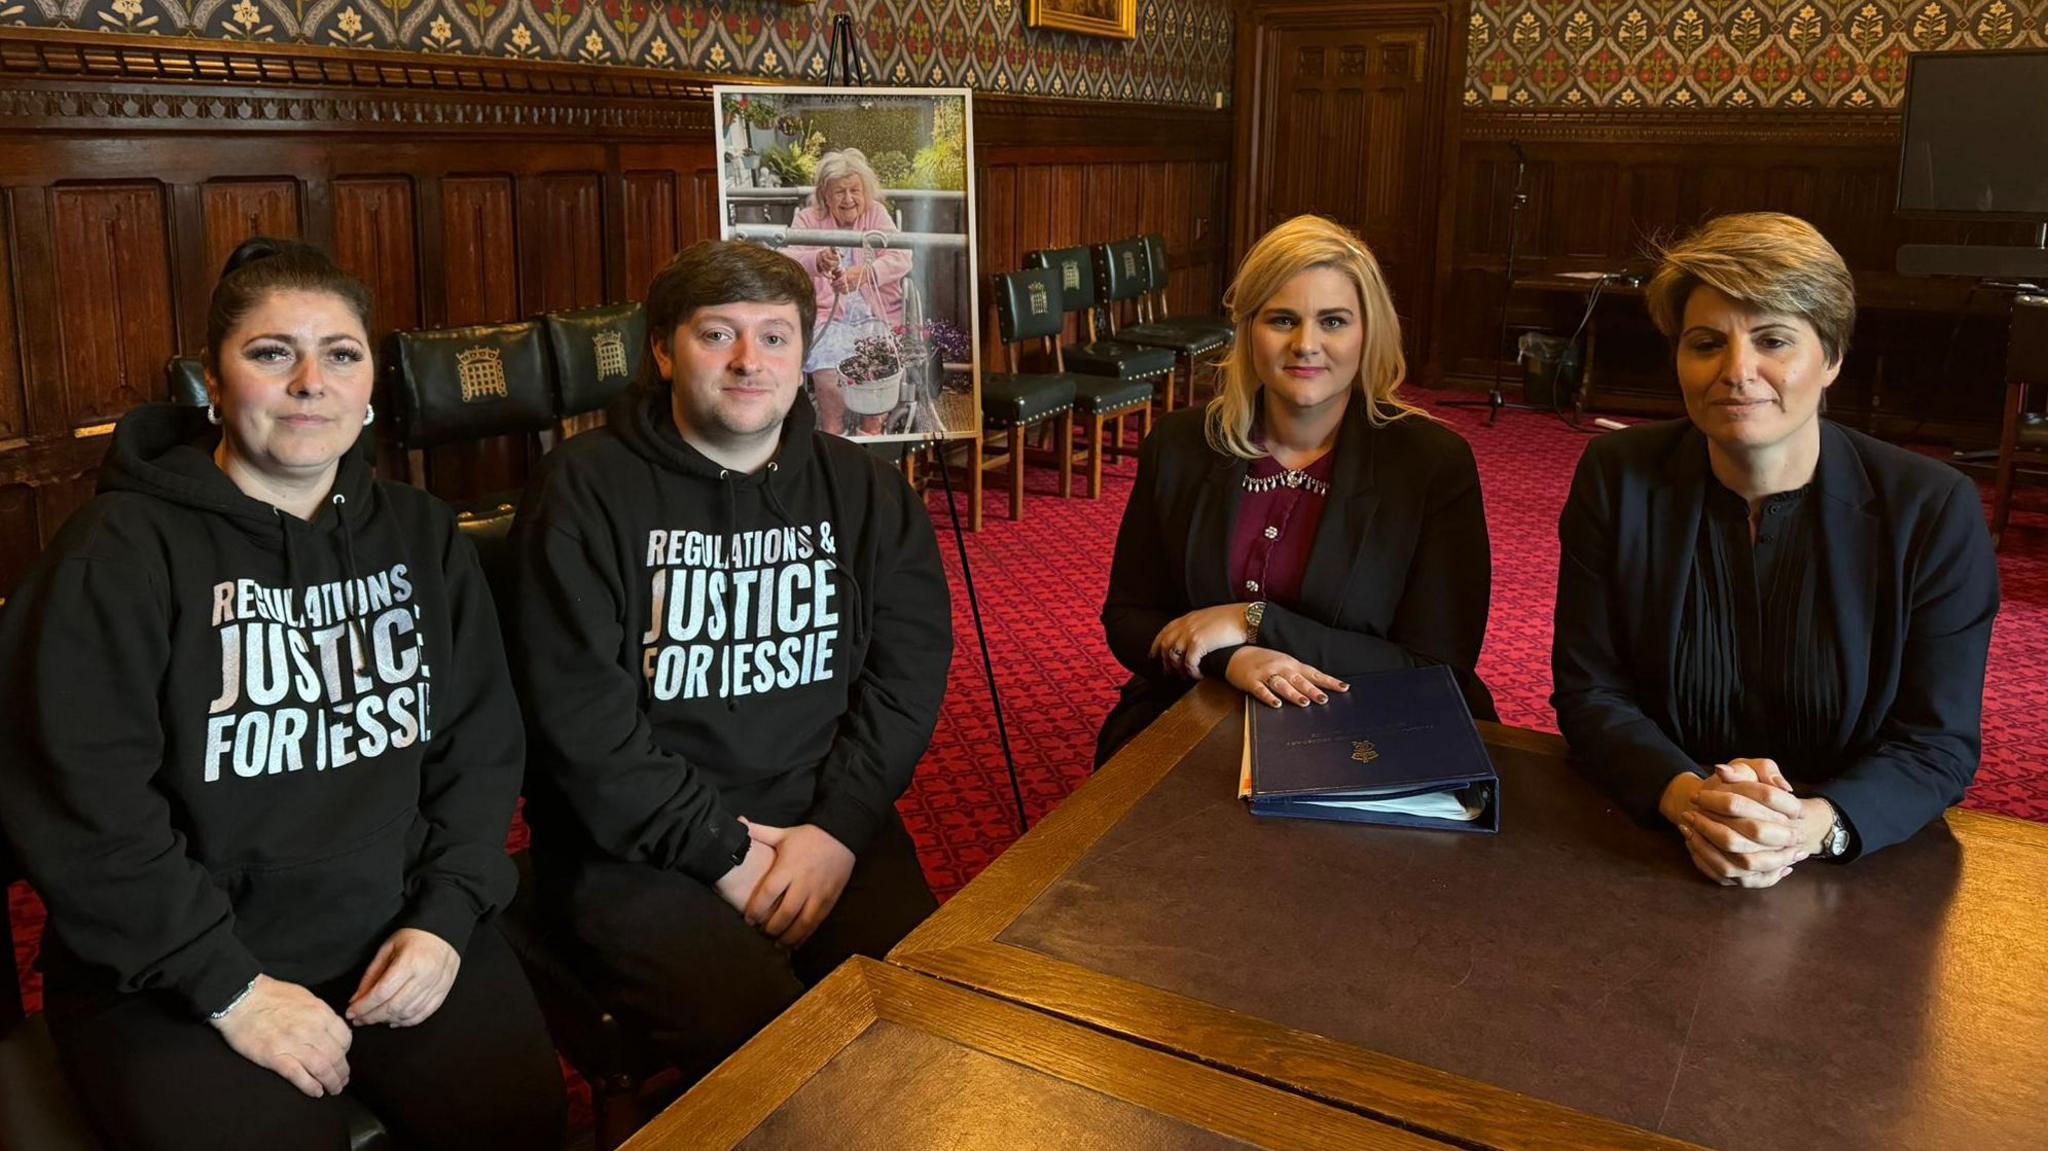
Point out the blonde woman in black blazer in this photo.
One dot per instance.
(1771, 630)
(1214, 574)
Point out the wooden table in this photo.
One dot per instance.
(1569, 983)
(877, 1057)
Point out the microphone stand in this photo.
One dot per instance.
(1495, 401)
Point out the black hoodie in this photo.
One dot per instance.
(694, 644)
(220, 754)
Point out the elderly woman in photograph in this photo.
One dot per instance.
(860, 290)
(1771, 630)
(1309, 524)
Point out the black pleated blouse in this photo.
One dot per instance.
(1759, 664)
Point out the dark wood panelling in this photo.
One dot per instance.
(17, 524)
(239, 209)
(1603, 188)
(480, 264)
(701, 219)
(113, 297)
(1026, 206)
(460, 190)
(13, 401)
(564, 255)
(373, 241)
(650, 222)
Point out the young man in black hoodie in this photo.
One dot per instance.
(731, 636)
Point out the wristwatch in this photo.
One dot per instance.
(1254, 614)
(1834, 846)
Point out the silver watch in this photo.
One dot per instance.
(1835, 844)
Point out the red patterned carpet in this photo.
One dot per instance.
(1041, 583)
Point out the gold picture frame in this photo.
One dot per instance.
(1115, 19)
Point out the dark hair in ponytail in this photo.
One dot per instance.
(261, 266)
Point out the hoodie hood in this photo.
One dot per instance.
(645, 421)
(166, 451)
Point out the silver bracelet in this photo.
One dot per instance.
(233, 1003)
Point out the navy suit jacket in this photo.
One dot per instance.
(1906, 565)
(1398, 575)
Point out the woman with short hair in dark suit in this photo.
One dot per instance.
(1771, 630)
(1309, 524)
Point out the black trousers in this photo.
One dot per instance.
(480, 1072)
(678, 962)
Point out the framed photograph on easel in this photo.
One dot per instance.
(1116, 19)
(872, 191)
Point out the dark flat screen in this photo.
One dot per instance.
(1976, 136)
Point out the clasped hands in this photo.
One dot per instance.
(286, 1028)
(1274, 678)
(1742, 825)
(789, 882)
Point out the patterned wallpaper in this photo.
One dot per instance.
(1182, 54)
(1724, 53)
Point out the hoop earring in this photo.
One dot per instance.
(369, 414)
(212, 414)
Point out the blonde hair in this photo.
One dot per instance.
(1773, 263)
(1300, 245)
(838, 166)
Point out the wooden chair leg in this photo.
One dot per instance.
(973, 484)
(1171, 385)
(618, 1112)
(1145, 426)
(1119, 439)
(1095, 448)
(2008, 447)
(1017, 472)
(1066, 445)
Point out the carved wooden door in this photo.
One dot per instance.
(1347, 125)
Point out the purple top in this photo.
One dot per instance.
(1276, 528)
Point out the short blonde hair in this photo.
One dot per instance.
(1300, 245)
(1768, 261)
(839, 165)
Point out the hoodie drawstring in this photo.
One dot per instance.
(853, 596)
(358, 636)
(291, 554)
(731, 529)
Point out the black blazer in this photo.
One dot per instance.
(1906, 563)
(1398, 576)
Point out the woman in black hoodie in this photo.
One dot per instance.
(259, 756)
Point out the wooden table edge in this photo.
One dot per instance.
(1433, 1103)
(1008, 885)
(733, 1101)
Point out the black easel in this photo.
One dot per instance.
(846, 68)
(1494, 400)
(843, 56)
